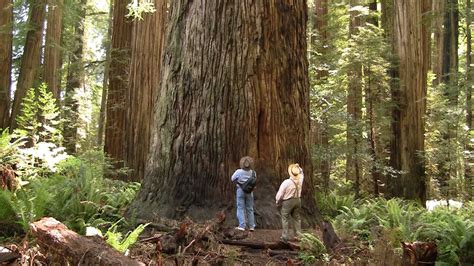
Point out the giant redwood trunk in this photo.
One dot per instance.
(30, 60)
(52, 50)
(410, 45)
(6, 37)
(146, 51)
(118, 83)
(234, 82)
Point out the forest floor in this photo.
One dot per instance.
(225, 254)
(197, 244)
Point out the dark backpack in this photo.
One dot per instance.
(250, 184)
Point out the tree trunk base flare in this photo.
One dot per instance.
(419, 253)
(267, 215)
(67, 246)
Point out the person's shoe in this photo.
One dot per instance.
(252, 229)
(240, 228)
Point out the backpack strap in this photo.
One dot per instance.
(253, 175)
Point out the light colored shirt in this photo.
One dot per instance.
(241, 176)
(288, 189)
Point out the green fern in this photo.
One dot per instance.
(312, 248)
(114, 238)
(452, 232)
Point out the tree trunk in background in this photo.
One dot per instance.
(30, 60)
(105, 82)
(74, 83)
(470, 147)
(387, 18)
(411, 47)
(373, 18)
(354, 107)
(234, 82)
(371, 100)
(52, 51)
(146, 53)
(439, 9)
(450, 49)
(118, 85)
(6, 38)
(446, 69)
(321, 128)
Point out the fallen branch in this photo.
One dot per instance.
(67, 247)
(261, 245)
(282, 252)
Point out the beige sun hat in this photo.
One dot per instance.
(294, 171)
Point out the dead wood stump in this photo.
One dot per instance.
(419, 253)
(66, 246)
(330, 238)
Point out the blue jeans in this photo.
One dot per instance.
(245, 205)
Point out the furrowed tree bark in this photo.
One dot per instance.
(118, 85)
(354, 108)
(234, 82)
(30, 60)
(6, 39)
(74, 83)
(411, 47)
(146, 54)
(52, 51)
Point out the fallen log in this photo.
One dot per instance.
(67, 247)
(8, 256)
(261, 245)
(287, 253)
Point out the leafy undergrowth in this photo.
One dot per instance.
(74, 190)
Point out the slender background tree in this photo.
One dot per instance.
(118, 84)
(6, 42)
(145, 68)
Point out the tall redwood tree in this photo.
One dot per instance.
(52, 50)
(234, 82)
(145, 66)
(116, 110)
(30, 60)
(6, 37)
(410, 44)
